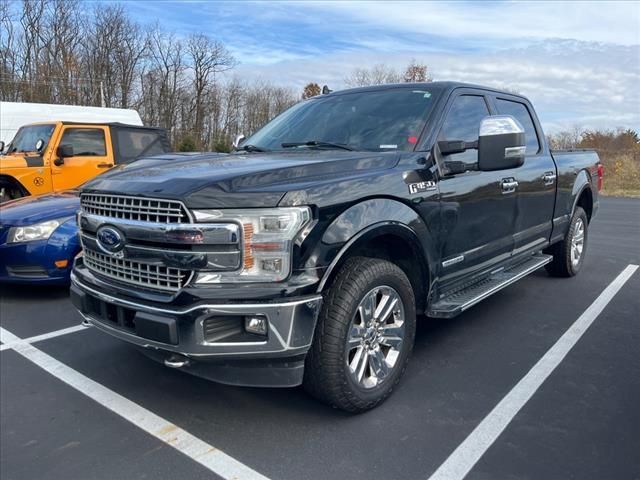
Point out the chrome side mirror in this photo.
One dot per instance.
(501, 143)
(237, 141)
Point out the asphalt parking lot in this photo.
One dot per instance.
(582, 422)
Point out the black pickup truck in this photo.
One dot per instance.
(306, 256)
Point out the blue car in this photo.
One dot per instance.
(39, 238)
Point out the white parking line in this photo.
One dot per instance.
(463, 458)
(45, 336)
(206, 455)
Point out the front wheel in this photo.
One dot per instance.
(364, 336)
(568, 255)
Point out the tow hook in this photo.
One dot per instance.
(177, 361)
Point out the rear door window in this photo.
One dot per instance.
(86, 142)
(133, 143)
(521, 113)
(463, 123)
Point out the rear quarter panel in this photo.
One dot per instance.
(577, 171)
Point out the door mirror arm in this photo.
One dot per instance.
(455, 167)
(450, 147)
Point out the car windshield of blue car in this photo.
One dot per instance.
(27, 138)
(387, 119)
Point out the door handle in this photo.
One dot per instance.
(549, 178)
(509, 185)
(105, 165)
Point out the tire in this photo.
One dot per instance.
(8, 191)
(568, 255)
(351, 366)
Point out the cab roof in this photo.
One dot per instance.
(447, 86)
(98, 124)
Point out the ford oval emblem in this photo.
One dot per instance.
(109, 239)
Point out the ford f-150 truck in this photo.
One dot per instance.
(306, 256)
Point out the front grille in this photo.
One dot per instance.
(134, 208)
(26, 271)
(156, 277)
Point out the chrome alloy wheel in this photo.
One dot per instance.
(577, 242)
(375, 337)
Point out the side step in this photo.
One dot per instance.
(458, 301)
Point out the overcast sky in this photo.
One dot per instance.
(579, 62)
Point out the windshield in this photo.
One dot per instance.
(382, 120)
(27, 137)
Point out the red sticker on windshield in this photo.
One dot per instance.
(412, 139)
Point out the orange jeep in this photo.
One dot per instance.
(53, 156)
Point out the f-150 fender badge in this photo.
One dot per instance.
(419, 187)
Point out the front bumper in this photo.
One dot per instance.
(34, 262)
(182, 337)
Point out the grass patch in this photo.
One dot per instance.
(621, 173)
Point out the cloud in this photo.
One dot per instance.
(611, 21)
(569, 82)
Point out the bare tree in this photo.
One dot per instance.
(8, 52)
(376, 75)
(166, 77)
(207, 57)
(416, 73)
(566, 139)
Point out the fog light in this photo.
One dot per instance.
(256, 324)
(61, 263)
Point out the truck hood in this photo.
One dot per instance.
(32, 210)
(240, 180)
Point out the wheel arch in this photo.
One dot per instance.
(584, 199)
(8, 180)
(385, 229)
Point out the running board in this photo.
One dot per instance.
(460, 300)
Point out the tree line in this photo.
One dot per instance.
(58, 51)
(620, 139)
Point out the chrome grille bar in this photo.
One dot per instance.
(134, 208)
(156, 277)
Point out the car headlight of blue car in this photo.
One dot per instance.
(39, 231)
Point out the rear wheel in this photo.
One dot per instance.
(568, 255)
(364, 336)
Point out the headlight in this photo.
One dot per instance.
(267, 243)
(29, 233)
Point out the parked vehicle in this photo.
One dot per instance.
(39, 234)
(39, 238)
(306, 257)
(14, 115)
(56, 156)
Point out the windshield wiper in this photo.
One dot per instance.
(253, 148)
(317, 143)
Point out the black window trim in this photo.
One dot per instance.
(455, 95)
(534, 120)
